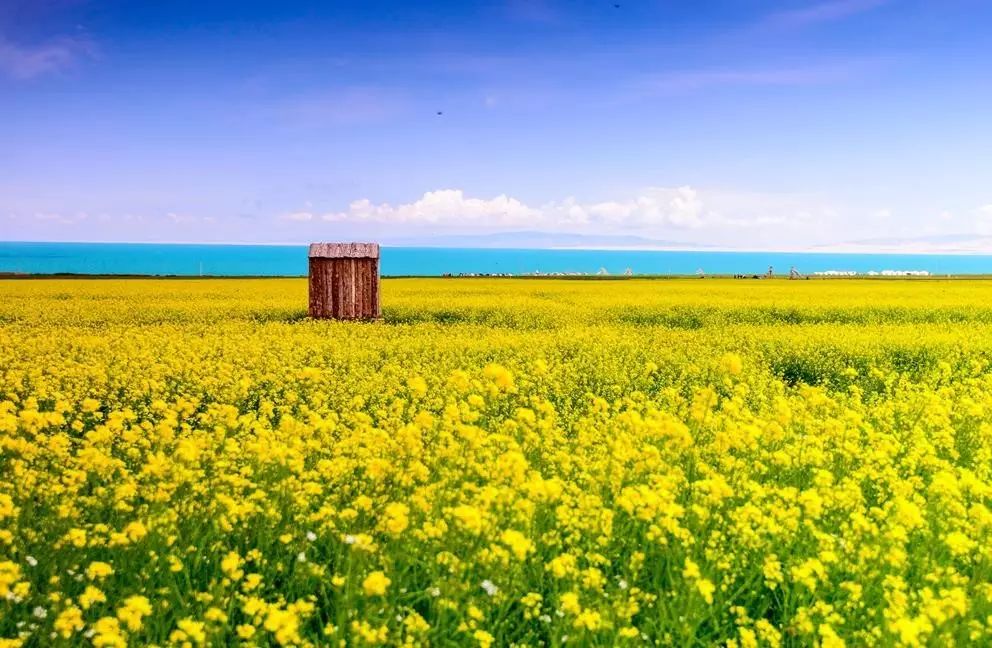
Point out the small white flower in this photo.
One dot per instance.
(301, 557)
(40, 612)
(622, 584)
(311, 536)
(490, 587)
(544, 618)
(350, 539)
(31, 560)
(89, 633)
(434, 591)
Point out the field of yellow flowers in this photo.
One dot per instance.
(497, 462)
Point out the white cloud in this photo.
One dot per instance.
(652, 210)
(442, 207)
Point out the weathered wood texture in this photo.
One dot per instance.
(345, 250)
(344, 280)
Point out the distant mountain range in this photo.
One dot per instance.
(542, 240)
(936, 244)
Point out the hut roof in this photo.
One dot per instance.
(345, 250)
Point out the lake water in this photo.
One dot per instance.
(269, 260)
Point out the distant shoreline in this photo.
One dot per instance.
(40, 276)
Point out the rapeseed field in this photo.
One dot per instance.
(497, 462)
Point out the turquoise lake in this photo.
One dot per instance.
(272, 260)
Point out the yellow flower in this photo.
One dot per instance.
(375, 584)
(415, 623)
(469, 517)
(772, 570)
(69, 621)
(691, 570)
(569, 602)
(959, 543)
(732, 364)
(216, 615)
(135, 531)
(561, 566)
(90, 596)
(98, 570)
(517, 543)
(484, 639)
(76, 537)
(10, 573)
(7, 508)
(706, 589)
(231, 565)
(500, 376)
(107, 633)
(588, 620)
(417, 385)
(135, 608)
(396, 518)
(189, 630)
(284, 624)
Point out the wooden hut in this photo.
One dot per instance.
(344, 280)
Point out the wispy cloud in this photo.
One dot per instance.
(821, 12)
(27, 61)
(59, 218)
(808, 75)
(346, 106)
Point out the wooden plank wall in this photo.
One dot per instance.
(344, 288)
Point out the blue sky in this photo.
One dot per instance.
(783, 124)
